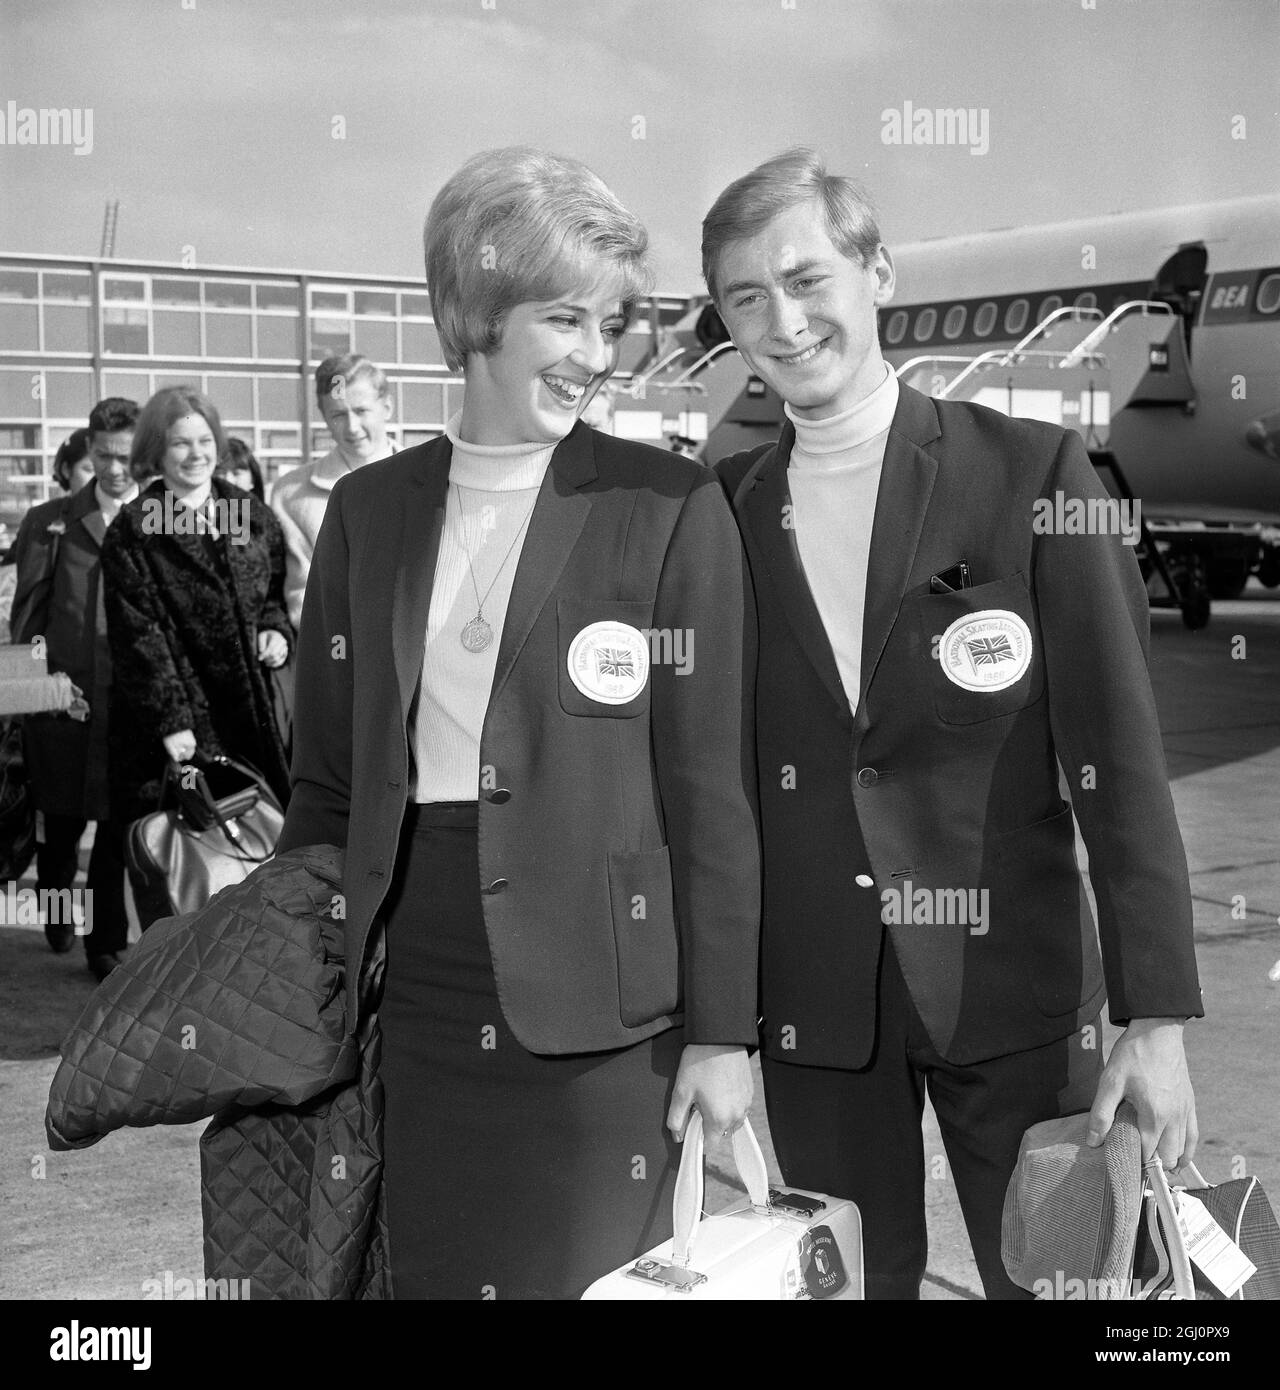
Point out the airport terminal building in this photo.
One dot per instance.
(75, 330)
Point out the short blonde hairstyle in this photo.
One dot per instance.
(797, 176)
(516, 225)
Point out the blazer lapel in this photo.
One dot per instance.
(83, 507)
(95, 524)
(906, 484)
(558, 517)
(767, 509)
(421, 508)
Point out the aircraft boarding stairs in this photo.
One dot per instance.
(1078, 368)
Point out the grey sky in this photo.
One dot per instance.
(214, 119)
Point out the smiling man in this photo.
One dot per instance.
(354, 397)
(928, 662)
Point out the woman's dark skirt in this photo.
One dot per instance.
(508, 1175)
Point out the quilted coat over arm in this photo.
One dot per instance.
(238, 1012)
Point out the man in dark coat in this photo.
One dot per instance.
(59, 599)
(929, 659)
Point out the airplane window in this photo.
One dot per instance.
(953, 324)
(897, 327)
(925, 325)
(1015, 316)
(1050, 306)
(1087, 300)
(985, 319)
(1268, 300)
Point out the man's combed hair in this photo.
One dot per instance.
(349, 367)
(517, 225)
(797, 176)
(113, 414)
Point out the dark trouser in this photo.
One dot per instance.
(56, 861)
(857, 1134)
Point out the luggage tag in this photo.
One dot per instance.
(1211, 1249)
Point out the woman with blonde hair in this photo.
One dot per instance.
(551, 884)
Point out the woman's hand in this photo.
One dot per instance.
(78, 709)
(273, 650)
(717, 1079)
(181, 746)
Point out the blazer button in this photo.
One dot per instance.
(868, 777)
(499, 885)
(500, 796)
(865, 881)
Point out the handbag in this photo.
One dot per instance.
(790, 1245)
(215, 822)
(1170, 1225)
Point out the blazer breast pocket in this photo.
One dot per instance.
(602, 657)
(983, 647)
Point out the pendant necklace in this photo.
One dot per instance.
(477, 634)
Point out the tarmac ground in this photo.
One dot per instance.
(98, 1223)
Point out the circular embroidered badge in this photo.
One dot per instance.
(609, 662)
(986, 651)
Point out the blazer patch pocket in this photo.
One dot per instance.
(644, 927)
(603, 657)
(983, 645)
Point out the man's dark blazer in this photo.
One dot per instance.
(619, 863)
(63, 603)
(959, 789)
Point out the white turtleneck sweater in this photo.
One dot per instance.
(492, 489)
(834, 476)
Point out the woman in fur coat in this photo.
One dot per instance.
(194, 591)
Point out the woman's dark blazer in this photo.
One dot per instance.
(184, 638)
(619, 860)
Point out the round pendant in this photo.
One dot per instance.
(477, 634)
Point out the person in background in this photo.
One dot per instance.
(354, 397)
(72, 466)
(239, 467)
(195, 611)
(59, 596)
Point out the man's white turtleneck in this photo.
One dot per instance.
(834, 476)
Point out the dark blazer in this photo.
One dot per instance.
(957, 789)
(62, 602)
(619, 866)
(184, 632)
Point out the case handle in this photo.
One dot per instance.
(1180, 1263)
(687, 1205)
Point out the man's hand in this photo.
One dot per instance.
(717, 1079)
(1148, 1068)
(273, 650)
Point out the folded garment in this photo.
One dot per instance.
(36, 694)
